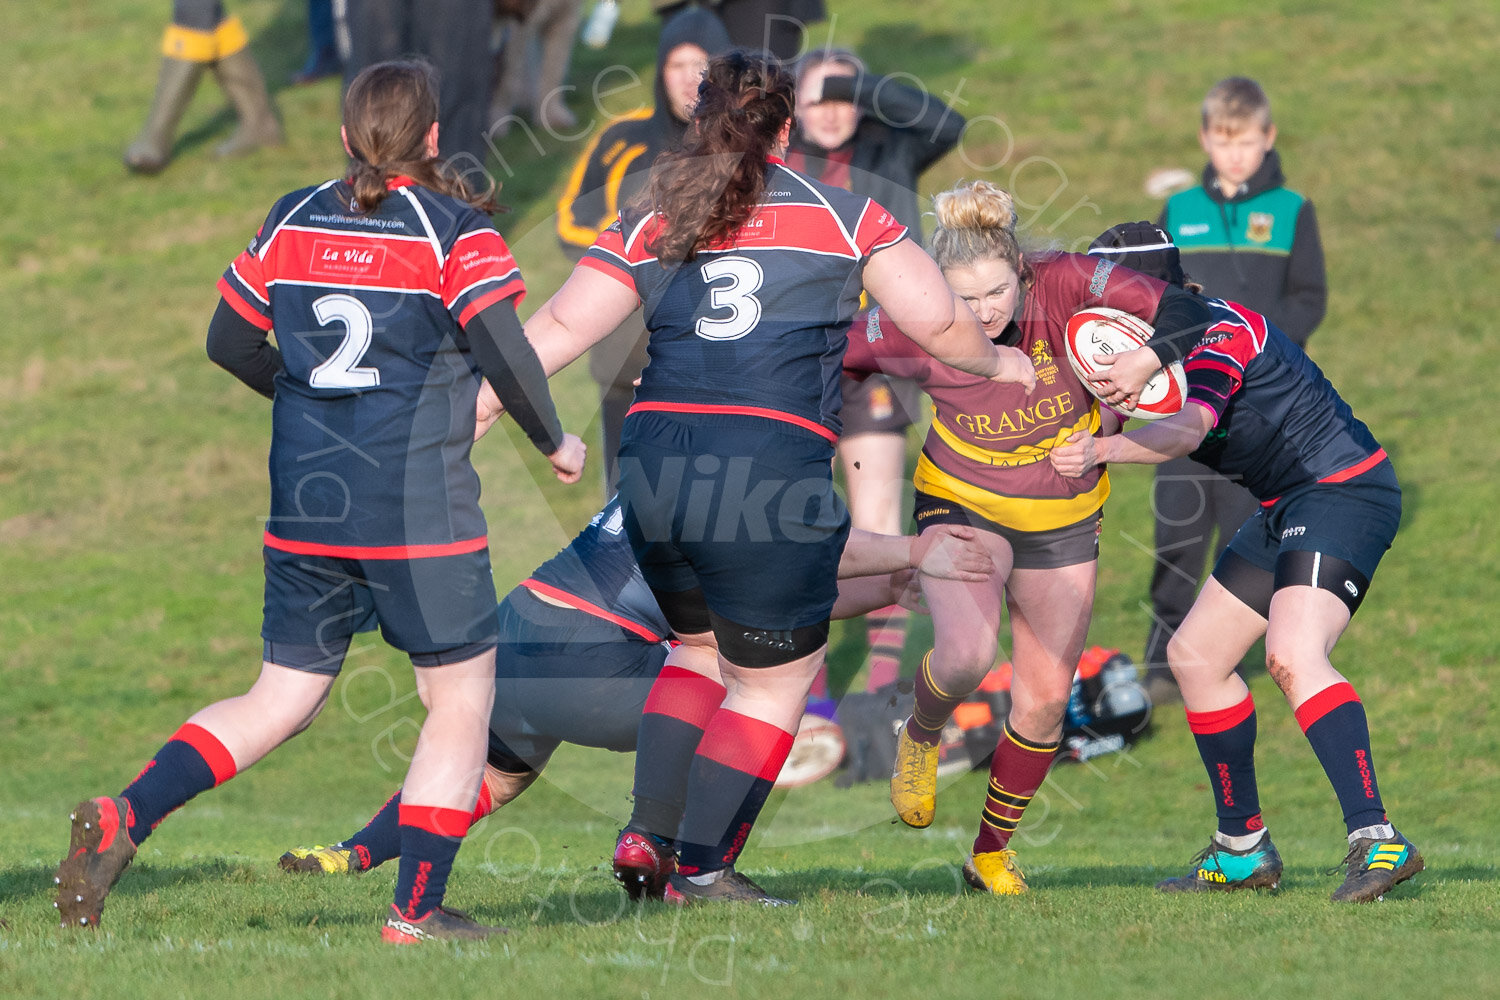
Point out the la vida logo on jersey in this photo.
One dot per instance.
(341, 259)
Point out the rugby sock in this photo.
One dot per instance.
(678, 709)
(933, 705)
(887, 640)
(192, 761)
(733, 772)
(380, 840)
(1333, 720)
(430, 838)
(1016, 772)
(1226, 742)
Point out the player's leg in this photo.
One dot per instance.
(239, 75)
(1183, 530)
(1050, 600)
(187, 48)
(965, 625)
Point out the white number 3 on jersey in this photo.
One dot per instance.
(341, 370)
(745, 278)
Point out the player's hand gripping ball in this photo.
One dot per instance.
(1102, 330)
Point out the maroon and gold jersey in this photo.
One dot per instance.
(988, 446)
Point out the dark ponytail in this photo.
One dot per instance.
(708, 189)
(388, 111)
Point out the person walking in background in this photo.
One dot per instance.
(613, 170)
(749, 275)
(875, 136)
(1294, 574)
(532, 64)
(454, 36)
(391, 293)
(322, 45)
(202, 37)
(1247, 238)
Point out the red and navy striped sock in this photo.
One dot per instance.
(678, 709)
(380, 840)
(1333, 720)
(887, 630)
(933, 705)
(1016, 772)
(1226, 742)
(430, 838)
(733, 772)
(192, 761)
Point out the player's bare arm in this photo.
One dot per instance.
(1179, 434)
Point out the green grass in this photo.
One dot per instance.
(132, 484)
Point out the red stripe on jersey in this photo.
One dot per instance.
(1344, 475)
(356, 259)
(251, 273)
(804, 228)
(476, 256)
(877, 229)
(574, 601)
(1232, 369)
(375, 551)
(217, 756)
(237, 302)
(747, 745)
(1325, 701)
(619, 272)
(488, 299)
(741, 411)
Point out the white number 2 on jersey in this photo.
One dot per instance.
(340, 371)
(745, 278)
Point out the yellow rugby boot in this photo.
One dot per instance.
(914, 781)
(320, 860)
(995, 872)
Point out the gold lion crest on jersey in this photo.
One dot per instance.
(1042, 360)
(1259, 229)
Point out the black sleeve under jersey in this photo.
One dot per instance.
(1182, 318)
(514, 371)
(241, 349)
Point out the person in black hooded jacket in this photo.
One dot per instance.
(609, 173)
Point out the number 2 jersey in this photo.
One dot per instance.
(374, 412)
(755, 326)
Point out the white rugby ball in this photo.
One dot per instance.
(817, 750)
(1101, 330)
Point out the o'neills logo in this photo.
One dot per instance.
(1362, 761)
(1041, 360)
(1014, 423)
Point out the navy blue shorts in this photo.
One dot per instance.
(1354, 521)
(438, 610)
(742, 508)
(565, 676)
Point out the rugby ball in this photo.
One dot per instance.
(817, 751)
(1101, 330)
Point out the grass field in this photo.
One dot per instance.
(132, 487)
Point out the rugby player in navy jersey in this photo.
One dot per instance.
(1261, 412)
(749, 275)
(390, 293)
(582, 642)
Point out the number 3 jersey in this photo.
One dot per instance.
(755, 325)
(374, 412)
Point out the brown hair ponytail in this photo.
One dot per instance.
(705, 191)
(388, 111)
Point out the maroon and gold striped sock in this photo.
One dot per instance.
(933, 705)
(1016, 772)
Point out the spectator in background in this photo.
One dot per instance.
(609, 173)
(454, 36)
(775, 26)
(322, 46)
(202, 37)
(533, 62)
(875, 136)
(1247, 238)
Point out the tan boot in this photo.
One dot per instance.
(152, 149)
(245, 87)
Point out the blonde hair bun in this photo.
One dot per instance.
(975, 205)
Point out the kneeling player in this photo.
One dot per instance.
(1260, 411)
(582, 642)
